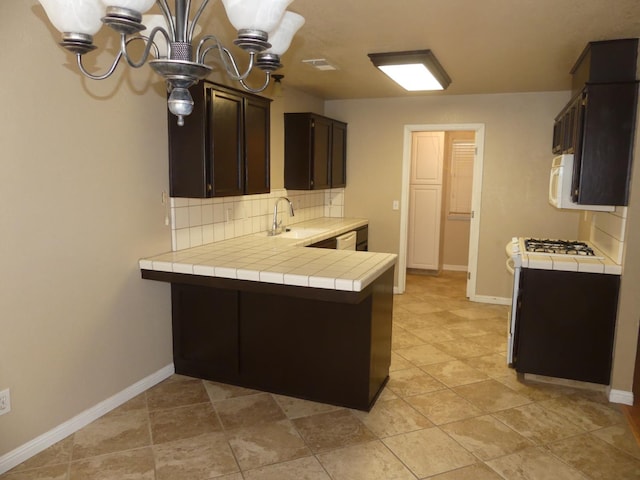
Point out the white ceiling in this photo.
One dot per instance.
(486, 46)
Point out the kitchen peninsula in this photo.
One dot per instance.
(265, 312)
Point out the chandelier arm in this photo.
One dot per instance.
(166, 11)
(196, 19)
(257, 90)
(149, 43)
(98, 77)
(228, 61)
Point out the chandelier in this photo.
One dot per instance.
(265, 30)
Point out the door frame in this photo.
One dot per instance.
(474, 230)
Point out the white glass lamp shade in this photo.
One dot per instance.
(75, 16)
(137, 5)
(281, 38)
(262, 15)
(153, 21)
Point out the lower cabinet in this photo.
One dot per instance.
(565, 324)
(321, 345)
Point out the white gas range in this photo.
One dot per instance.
(548, 254)
(567, 255)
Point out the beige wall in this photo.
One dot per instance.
(517, 158)
(83, 169)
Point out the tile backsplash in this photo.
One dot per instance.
(607, 232)
(196, 221)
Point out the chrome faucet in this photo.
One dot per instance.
(276, 227)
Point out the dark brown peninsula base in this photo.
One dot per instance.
(328, 346)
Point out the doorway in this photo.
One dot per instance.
(478, 130)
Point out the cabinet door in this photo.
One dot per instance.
(427, 157)
(226, 144)
(423, 246)
(205, 331)
(256, 167)
(189, 172)
(321, 153)
(338, 155)
(602, 171)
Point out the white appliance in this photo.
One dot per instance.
(346, 241)
(514, 265)
(560, 186)
(545, 248)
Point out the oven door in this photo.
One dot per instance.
(513, 266)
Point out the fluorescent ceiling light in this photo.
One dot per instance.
(416, 70)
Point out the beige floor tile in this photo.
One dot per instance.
(429, 452)
(56, 454)
(327, 431)
(307, 468)
(621, 437)
(401, 338)
(131, 465)
(198, 458)
(463, 348)
(424, 355)
(222, 391)
(538, 424)
(494, 365)
(50, 472)
(494, 342)
(433, 334)
(392, 417)
(249, 410)
(369, 461)
(399, 363)
(176, 392)
(486, 437)
(596, 458)
(444, 406)
(421, 307)
(534, 464)
(412, 381)
(266, 444)
(296, 407)
(465, 329)
(454, 373)
(473, 472)
(491, 396)
(475, 313)
(112, 433)
(172, 424)
(533, 391)
(584, 412)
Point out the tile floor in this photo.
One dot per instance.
(452, 411)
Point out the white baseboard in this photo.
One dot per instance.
(455, 268)
(621, 396)
(44, 441)
(488, 299)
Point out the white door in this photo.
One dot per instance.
(423, 247)
(425, 200)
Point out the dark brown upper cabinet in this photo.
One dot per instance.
(315, 152)
(598, 125)
(223, 148)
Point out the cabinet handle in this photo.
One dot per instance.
(209, 187)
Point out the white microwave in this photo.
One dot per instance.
(560, 186)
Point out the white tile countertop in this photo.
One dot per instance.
(281, 260)
(600, 264)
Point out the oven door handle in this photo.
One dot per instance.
(510, 266)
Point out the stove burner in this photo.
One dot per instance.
(558, 247)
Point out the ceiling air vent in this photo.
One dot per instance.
(320, 64)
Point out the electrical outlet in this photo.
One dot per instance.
(5, 402)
